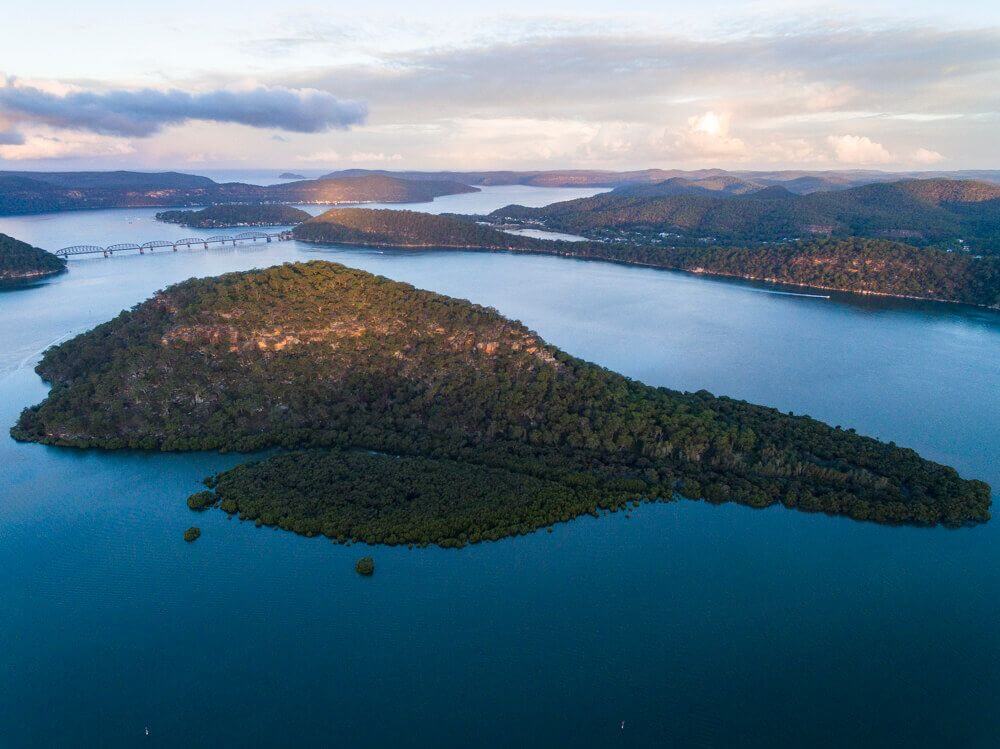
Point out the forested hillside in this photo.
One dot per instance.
(958, 213)
(870, 266)
(223, 216)
(41, 192)
(395, 228)
(20, 261)
(867, 266)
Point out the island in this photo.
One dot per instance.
(857, 265)
(365, 566)
(290, 175)
(21, 262)
(369, 227)
(192, 534)
(226, 216)
(403, 416)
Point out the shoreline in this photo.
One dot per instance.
(677, 269)
(28, 277)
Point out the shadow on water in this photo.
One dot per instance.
(27, 284)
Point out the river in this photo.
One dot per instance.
(683, 625)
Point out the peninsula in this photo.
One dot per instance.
(20, 261)
(863, 266)
(418, 418)
(226, 216)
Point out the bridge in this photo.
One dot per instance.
(162, 244)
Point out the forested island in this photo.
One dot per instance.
(417, 418)
(290, 175)
(396, 228)
(226, 216)
(20, 261)
(865, 266)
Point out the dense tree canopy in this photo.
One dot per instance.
(918, 211)
(394, 228)
(19, 260)
(319, 355)
(869, 266)
(41, 192)
(222, 216)
(860, 265)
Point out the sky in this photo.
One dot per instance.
(542, 84)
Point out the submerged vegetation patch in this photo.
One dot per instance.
(365, 566)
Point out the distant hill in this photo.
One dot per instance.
(290, 175)
(365, 188)
(224, 216)
(40, 192)
(120, 180)
(710, 186)
(20, 261)
(797, 181)
(921, 211)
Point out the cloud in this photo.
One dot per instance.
(367, 157)
(633, 99)
(145, 112)
(858, 150)
(323, 157)
(926, 156)
(11, 138)
(43, 146)
(707, 137)
(631, 76)
(826, 92)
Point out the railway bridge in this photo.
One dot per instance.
(163, 244)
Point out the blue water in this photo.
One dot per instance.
(695, 625)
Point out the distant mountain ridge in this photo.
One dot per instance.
(797, 181)
(922, 211)
(41, 192)
(115, 180)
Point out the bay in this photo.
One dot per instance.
(695, 625)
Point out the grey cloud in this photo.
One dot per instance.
(146, 112)
(794, 84)
(619, 76)
(11, 138)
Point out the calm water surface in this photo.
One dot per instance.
(695, 625)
